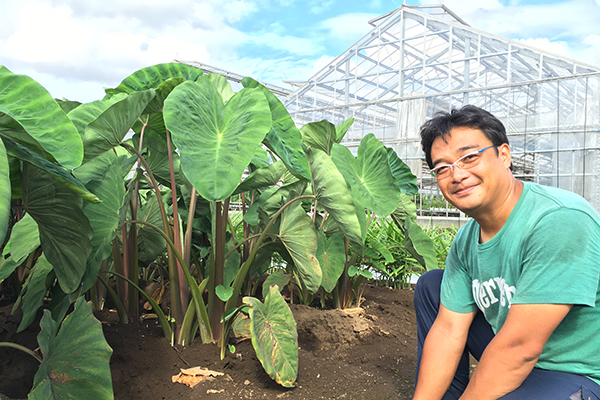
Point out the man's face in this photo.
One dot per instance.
(478, 188)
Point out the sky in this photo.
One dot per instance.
(76, 48)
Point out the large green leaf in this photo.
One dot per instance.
(86, 113)
(416, 241)
(275, 336)
(154, 76)
(271, 200)
(24, 239)
(31, 117)
(65, 231)
(299, 236)
(103, 177)
(156, 154)
(334, 196)
(261, 158)
(216, 141)
(279, 278)
(368, 175)
(151, 123)
(406, 208)
(150, 242)
(222, 85)
(331, 254)
(111, 126)
(58, 172)
(420, 245)
(404, 176)
(284, 139)
(35, 291)
(262, 177)
(67, 105)
(5, 192)
(341, 129)
(319, 135)
(76, 359)
(252, 214)
(14, 166)
(162, 92)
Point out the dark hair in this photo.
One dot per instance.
(468, 116)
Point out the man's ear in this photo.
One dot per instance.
(504, 154)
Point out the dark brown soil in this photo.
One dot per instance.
(341, 356)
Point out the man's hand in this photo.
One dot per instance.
(512, 354)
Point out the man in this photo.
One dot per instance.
(520, 291)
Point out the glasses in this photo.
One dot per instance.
(465, 162)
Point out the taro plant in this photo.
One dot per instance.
(49, 244)
(80, 203)
(375, 183)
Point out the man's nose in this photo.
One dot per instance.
(458, 174)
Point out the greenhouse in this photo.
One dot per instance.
(417, 61)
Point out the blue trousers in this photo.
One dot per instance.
(539, 385)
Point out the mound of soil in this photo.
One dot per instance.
(360, 354)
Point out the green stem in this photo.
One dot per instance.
(176, 228)
(196, 295)
(176, 305)
(22, 348)
(237, 246)
(241, 275)
(118, 305)
(164, 323)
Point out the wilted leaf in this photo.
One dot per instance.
(193, 376)
(275, 337)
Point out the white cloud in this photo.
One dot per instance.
(105, 41)
(321, 63)
(559, 48)
(348, 27)
(319, 7)
(71, 45)
(590, 51)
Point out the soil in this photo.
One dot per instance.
(368, 354)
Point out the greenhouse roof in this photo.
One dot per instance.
(416, 51)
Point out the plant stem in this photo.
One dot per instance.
(22, 348)
(173, 276)
(205, 331)
(176, 229)
(159, 313)
(118, 305)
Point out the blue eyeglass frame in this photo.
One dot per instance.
(459, 160)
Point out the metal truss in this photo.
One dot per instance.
(417, 61)
(414, 50)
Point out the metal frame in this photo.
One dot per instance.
(415, 62)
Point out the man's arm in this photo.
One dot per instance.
(444, 345)
(512, 354)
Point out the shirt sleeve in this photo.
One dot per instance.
(456, 292)
(562, 260)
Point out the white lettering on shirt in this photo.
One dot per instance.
(491, 291)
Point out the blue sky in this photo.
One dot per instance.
(77, 48)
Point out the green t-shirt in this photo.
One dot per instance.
(548, 251)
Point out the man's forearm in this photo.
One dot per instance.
(439, 361)
(502, 369)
